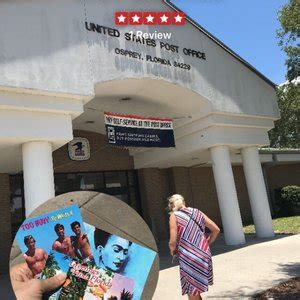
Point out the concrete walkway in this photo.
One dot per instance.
(239, 272)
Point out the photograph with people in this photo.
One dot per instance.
(63, 243)
(59, 230)
(81, 244)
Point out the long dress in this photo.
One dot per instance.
(196, 272)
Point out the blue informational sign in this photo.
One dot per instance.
(135, 131)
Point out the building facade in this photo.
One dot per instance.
(61, 69)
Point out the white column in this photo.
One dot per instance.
(38, 174)
(257, 192)
(227, 196)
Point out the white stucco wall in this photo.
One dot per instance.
(44, 45)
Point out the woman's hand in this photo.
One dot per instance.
(173, 249)
(26, 287)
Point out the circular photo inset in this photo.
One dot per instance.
(84, 245)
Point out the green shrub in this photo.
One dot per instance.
(291, 195)
(288, 200)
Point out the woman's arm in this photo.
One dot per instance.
(213, 227)
(173, 234)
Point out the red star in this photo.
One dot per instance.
(150, 18)
(121, 18)
(178, 18)
(164, 18)
(135, 18)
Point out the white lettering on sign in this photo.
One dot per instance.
(116, 120)
(152, 35)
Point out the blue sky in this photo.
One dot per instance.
(247, 27)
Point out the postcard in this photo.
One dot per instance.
(60, 230)
(85, 281)
(122, 257)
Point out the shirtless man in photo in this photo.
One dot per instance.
(81, 243)
(63, 244)
(35, 258)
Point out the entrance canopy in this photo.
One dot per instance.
(196, 126)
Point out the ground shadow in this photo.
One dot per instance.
(290, 269)
(217, 248)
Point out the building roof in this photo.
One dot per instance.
(279, 150)
(221, 44)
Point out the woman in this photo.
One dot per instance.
(187, 239)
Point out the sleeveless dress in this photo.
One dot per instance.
(196, 272)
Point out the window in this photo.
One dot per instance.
(115, 179)
(121, 184)
(70, 182)
(17, 202)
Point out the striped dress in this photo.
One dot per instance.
(195, 262)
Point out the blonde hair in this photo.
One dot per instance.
(176, 202)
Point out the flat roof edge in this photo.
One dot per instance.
(279, 150)
(220, 43)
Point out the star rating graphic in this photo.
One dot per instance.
(178, 19)
(135, 18)
(149, 18)
(164, 18)
(121, 18)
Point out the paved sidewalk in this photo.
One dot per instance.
(239, 272)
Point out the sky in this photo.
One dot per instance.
(247, 27)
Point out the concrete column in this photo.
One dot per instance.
(227, 196)
(38, 174)
(257, 192)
